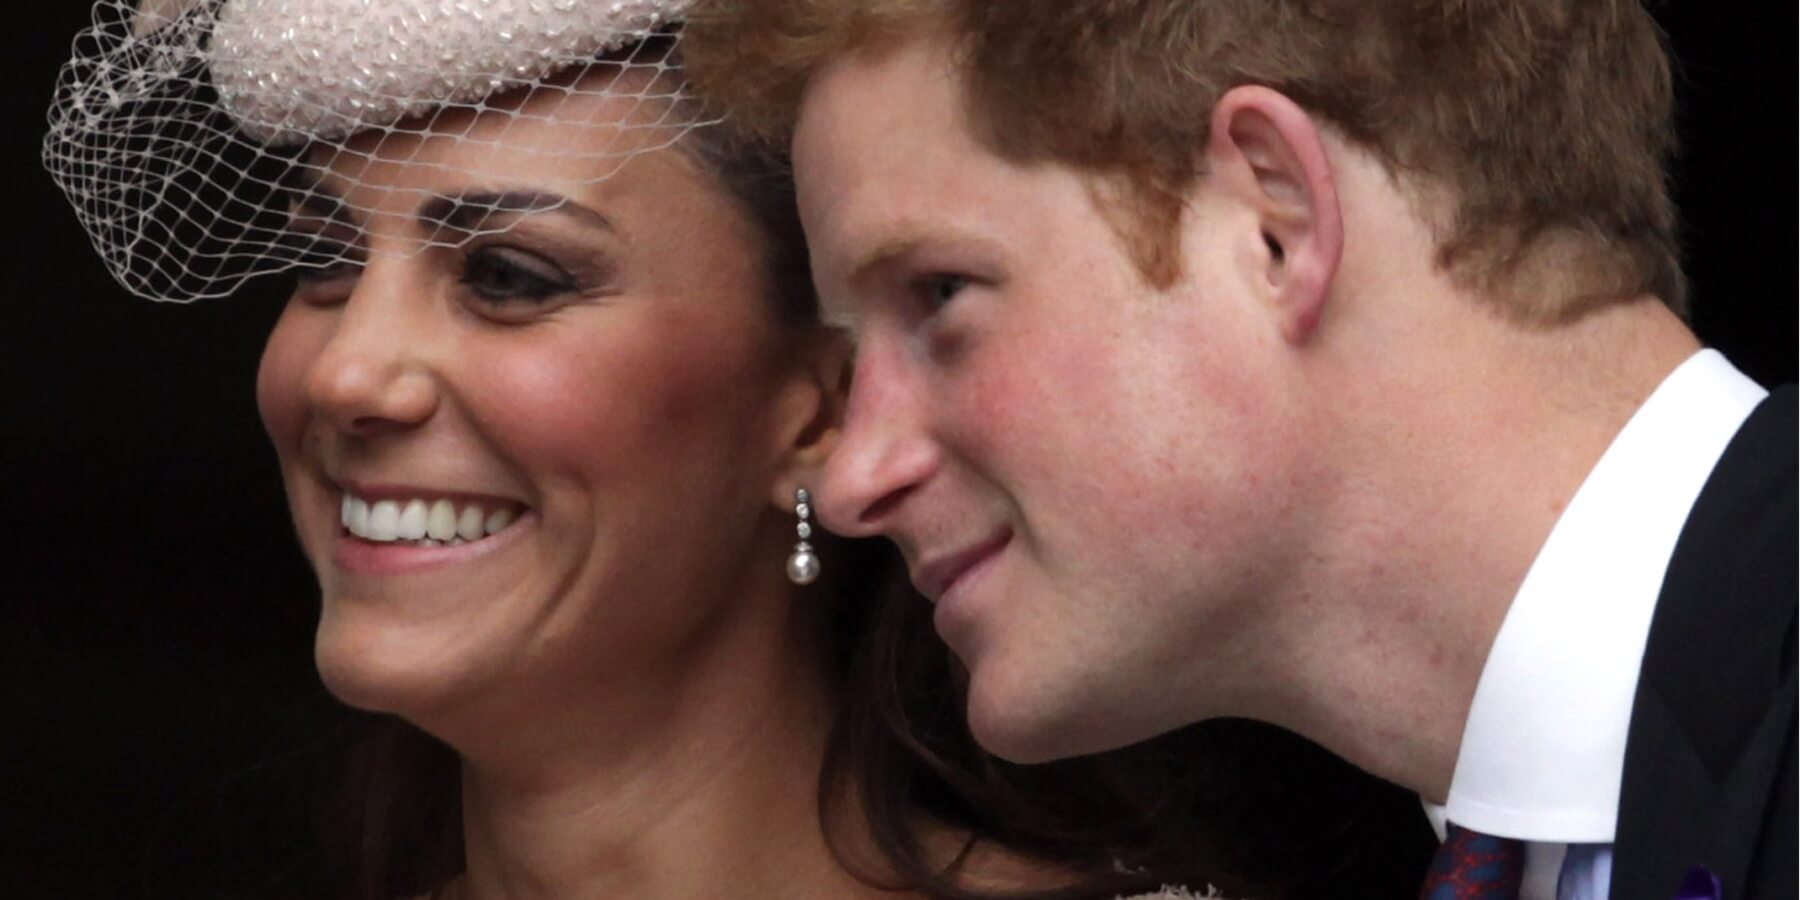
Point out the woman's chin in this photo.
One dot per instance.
(385, 676)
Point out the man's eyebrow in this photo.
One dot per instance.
(468, 211)
(906, 239)
(899, 241)
(898, 245)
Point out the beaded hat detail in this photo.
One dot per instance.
(178, 126)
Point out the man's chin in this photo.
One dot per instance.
(1027, 721)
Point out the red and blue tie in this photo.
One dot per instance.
(1475, 866)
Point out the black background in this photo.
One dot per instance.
(158, 707)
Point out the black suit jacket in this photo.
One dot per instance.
(1709, 774)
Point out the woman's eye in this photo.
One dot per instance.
(327, 270)
(321, 274)
(501, 274)
(315, 258)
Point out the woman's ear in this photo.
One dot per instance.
(812, 412)
(1267, 152)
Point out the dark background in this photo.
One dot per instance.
(159, 717)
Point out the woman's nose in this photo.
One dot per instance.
(372, 375)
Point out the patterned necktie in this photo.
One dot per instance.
(1475, 866)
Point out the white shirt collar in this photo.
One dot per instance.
(1544, 748)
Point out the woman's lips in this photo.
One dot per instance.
(354, 554)
(417, 514)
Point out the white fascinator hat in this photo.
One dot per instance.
(177, 126)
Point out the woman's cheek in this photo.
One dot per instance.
(628, 386)
(281, 379)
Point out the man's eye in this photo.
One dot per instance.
(503, 274)
(938, 289)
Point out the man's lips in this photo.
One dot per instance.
(935, 576)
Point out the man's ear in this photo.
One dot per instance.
(1267, 152)
(811, 411)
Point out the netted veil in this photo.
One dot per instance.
(184, 131)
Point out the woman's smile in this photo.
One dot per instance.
(424, 522)
(398, 530)
(492, 445)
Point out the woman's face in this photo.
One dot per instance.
(548, 455)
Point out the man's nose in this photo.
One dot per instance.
(885, 452)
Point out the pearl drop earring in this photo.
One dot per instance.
(803, 564)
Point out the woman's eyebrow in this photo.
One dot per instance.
(308, 193)
(469, 210)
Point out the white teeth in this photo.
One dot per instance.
(412, 520)
(384, 521)
(468, 525)
(429, 523)
(441, 525)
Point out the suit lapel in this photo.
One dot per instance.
(1712, 723)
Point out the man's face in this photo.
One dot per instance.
(1090, 477)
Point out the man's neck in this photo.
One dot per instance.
(1472, 453)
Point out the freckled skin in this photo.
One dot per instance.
(1081, 405)
(1302, 485)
